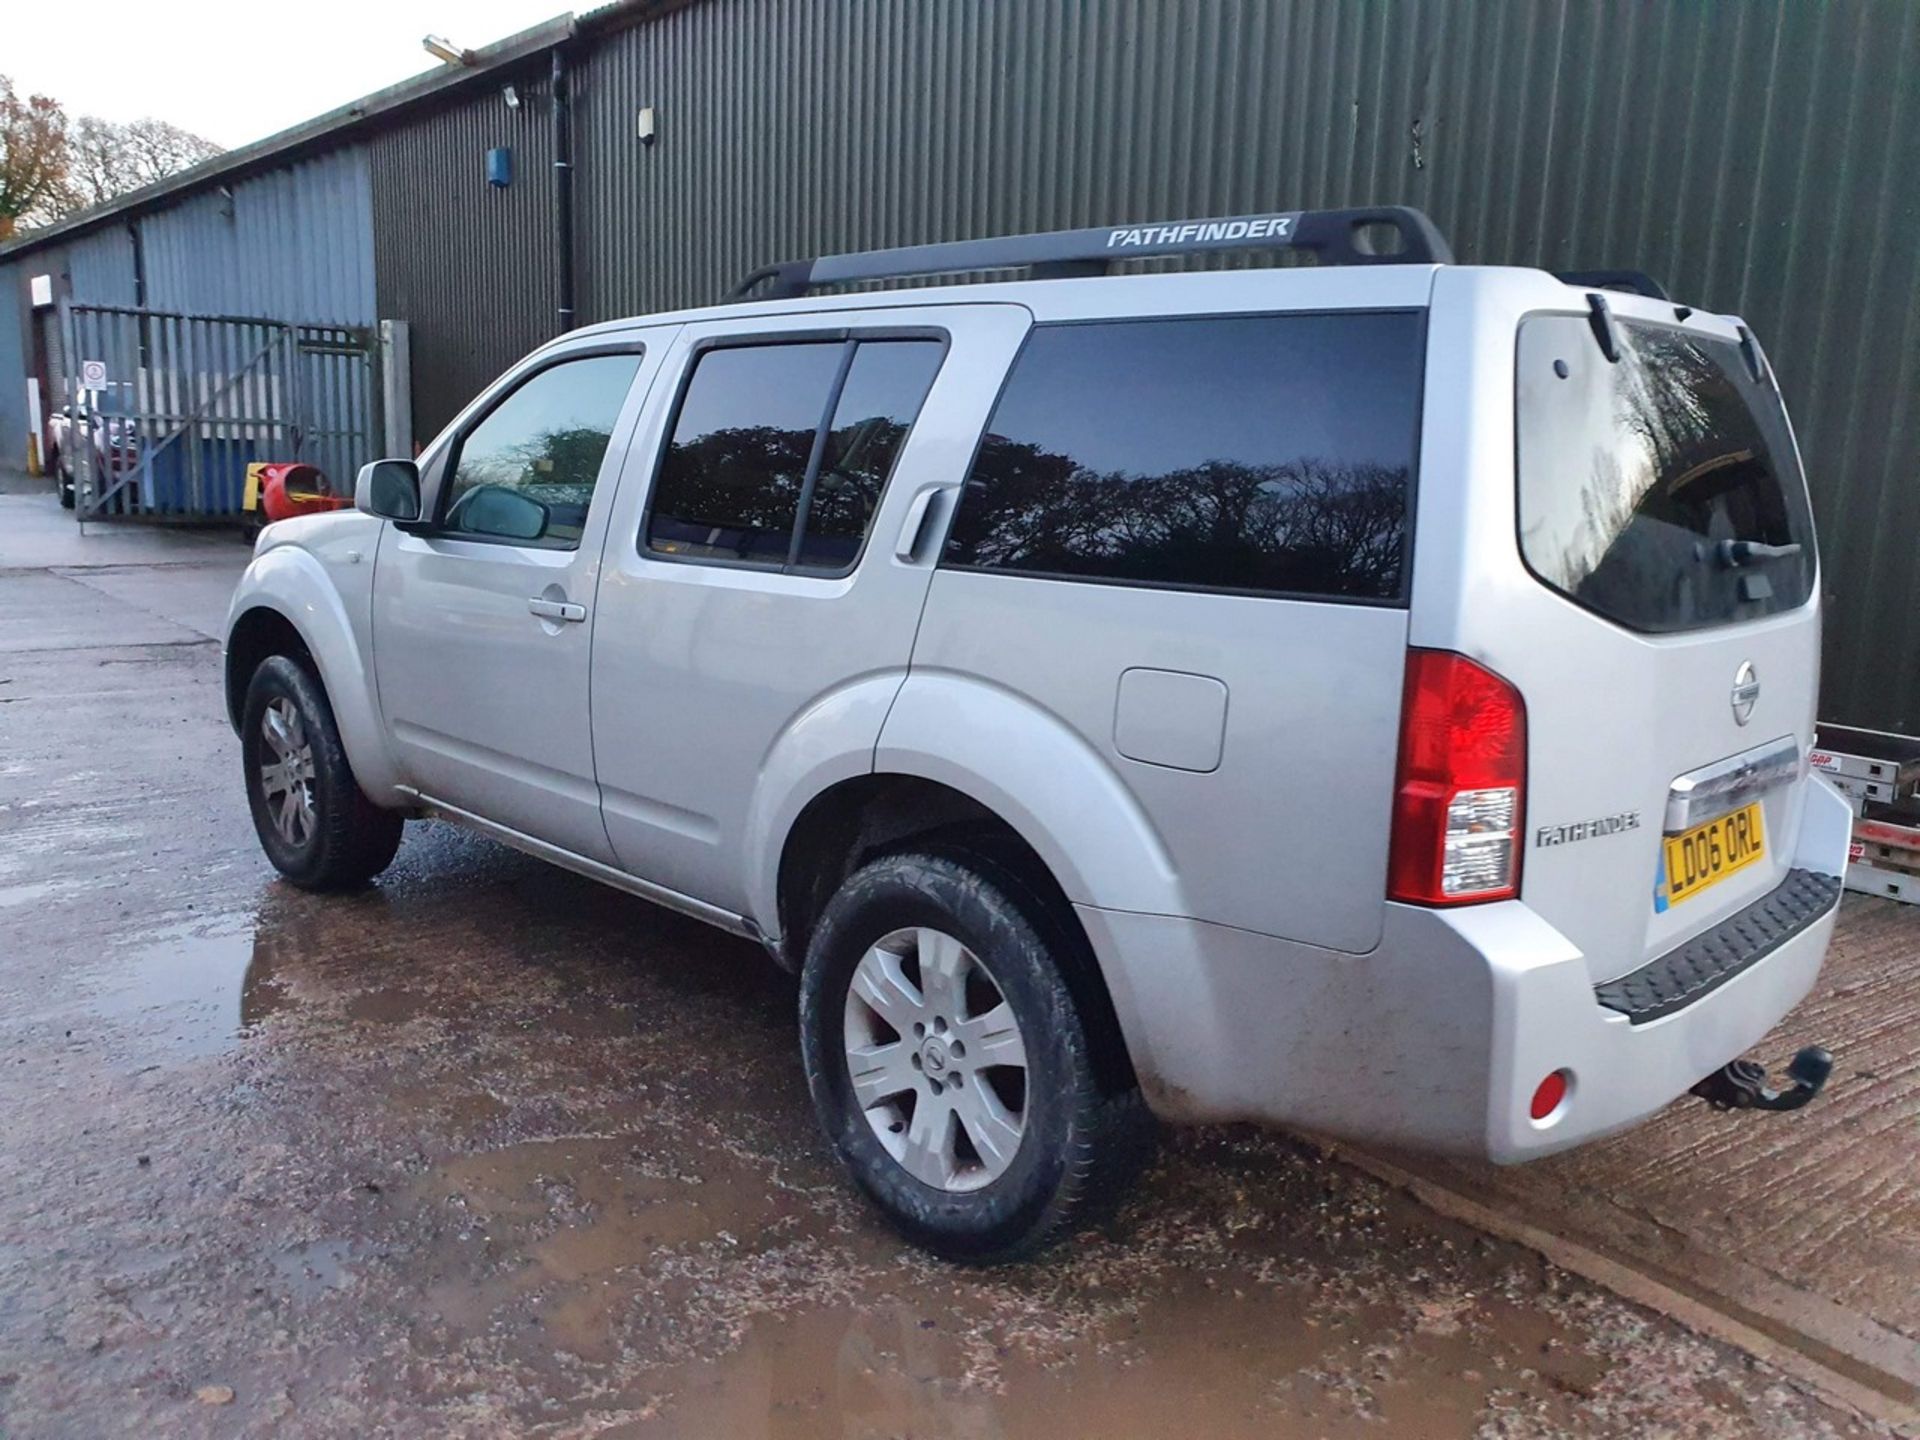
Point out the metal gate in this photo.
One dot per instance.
(163, 412)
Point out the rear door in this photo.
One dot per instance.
(1653, 597)
(762, 566)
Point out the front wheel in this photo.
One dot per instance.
(949, 1063)
(315, 823)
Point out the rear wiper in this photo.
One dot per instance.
(1732, 554)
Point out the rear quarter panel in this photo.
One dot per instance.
(1286, 835)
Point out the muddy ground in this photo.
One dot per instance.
(489, 1150)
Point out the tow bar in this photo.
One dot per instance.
(1742, 1084)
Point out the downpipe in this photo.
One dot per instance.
(562, 192)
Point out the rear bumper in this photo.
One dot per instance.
(1436, 1039)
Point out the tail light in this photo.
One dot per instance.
(1457, 810)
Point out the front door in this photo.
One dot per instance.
(482, 618)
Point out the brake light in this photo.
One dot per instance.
(1457, 803)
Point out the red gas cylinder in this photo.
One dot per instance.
(294, 488)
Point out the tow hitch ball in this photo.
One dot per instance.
(1742, 1084)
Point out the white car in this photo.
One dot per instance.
(1371, 697)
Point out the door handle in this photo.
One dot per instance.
(556, 609)
(916, 521)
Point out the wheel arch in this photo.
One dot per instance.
(286, 604)
(257, 633)
(858, 819)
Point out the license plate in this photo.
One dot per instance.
(1700, 858)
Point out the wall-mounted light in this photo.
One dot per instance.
(511, 96)
(226, 202)
(643, 125)
(442, 48)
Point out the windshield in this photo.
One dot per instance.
(1663, 491)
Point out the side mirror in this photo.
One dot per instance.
(389, 489)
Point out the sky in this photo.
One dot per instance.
(239, 70)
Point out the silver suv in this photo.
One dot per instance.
(1371, 697)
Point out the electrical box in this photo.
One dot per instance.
(500, 166)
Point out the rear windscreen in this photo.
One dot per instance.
(1661, 491)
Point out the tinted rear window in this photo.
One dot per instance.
(1638, 479)
(729, 487)
(1252, 453)
(758, 472)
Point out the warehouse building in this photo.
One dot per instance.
(1753, 157)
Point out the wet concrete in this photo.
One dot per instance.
(489, 1150)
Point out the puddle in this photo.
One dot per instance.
(309, 1271)
(27, 892)
(185, 993)
(388, 1007)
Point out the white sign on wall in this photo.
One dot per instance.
(41, 289)
(93, 374)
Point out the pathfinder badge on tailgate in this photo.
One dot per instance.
(1586, 829)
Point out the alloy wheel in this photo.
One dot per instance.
(937, 1060)
(286, 781)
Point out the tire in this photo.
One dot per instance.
(335, 838)
(893, 928)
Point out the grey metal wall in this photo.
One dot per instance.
(98, 266)
(469, 264)
(294, 244)
(13, 366)
(1759, 157)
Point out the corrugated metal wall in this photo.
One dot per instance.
(99, 266)
(469, 264)
(1759, 157)
(13, 365)
(291, 244)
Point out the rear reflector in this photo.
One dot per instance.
(1547, 1098)
(1457, 799)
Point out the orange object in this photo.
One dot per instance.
(289, 489)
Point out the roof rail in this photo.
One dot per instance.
(1336, 237)
(1632, 282)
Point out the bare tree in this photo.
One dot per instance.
(33, 158)
(106, 159)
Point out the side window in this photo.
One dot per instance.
(729, 485)
(1256, 453)
(886, 385)
(780, 452)
(525, 473)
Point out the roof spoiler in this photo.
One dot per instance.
(1631, 282)
(1336, 237)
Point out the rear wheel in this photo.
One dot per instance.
(949, 1063)
(62, 477)
(315, 823)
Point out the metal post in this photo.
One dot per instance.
(396, 388)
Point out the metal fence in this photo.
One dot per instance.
(162, 412)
